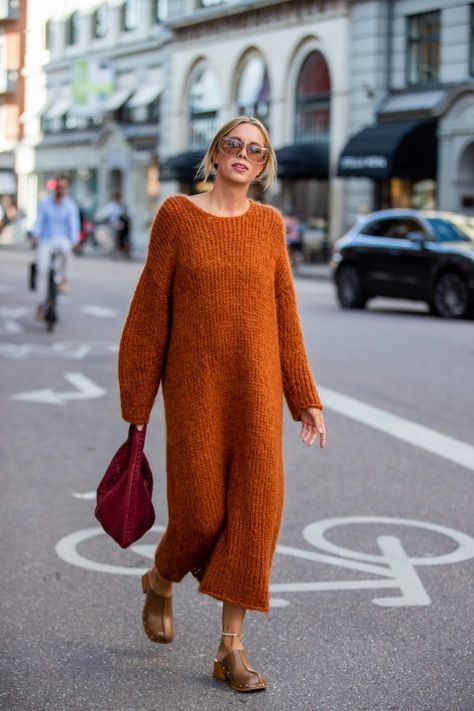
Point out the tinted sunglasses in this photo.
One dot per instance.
(233, 146)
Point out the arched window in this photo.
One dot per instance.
(313, 99)
(73, 29)
(204, 104)
(253, 91)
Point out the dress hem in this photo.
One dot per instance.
(222, 598)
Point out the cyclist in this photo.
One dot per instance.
(57, 227)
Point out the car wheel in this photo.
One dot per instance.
(451, 296)
(349, 288)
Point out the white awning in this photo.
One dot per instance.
(117, 99)
(58, 108)
(146, 95)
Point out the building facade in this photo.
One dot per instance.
(369, 103)
(12, 25)
(284, 62)
(411, 106)
(95, 76)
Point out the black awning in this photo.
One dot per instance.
(182, 166)
(402, 149)
(303, 160)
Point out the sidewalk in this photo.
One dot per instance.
(319, 270)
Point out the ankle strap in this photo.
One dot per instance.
(231, 634)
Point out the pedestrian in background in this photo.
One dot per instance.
(115, 215)
(214, 319)
(57, 227)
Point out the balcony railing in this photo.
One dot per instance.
(9, 9)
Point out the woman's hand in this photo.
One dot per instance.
(312, 424)
(139, 427)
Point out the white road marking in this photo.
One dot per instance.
(9, 327)
(394, 568)
(13, 311)
(85, 390)
(99, 311)
(68, 350)
(85, 495)
(400, 427)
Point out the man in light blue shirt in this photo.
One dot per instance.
(57, 227)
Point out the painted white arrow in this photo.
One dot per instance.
(86, 390)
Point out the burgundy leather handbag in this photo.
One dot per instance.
(124, 506)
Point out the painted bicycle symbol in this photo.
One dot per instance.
(392, 569)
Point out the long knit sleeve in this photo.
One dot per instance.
(147, 327)
(299, 386)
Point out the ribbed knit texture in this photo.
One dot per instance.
(214, 319)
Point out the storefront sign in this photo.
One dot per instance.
(359, 162)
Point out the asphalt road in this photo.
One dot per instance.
(372, 610)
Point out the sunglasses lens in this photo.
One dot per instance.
(256, 153)
(233, 146)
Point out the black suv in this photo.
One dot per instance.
(408, 254)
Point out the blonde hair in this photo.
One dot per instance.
(207, 167)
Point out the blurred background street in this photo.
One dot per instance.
(382, 622)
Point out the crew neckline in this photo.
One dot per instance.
(214, 216)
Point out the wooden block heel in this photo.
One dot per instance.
(218, 671)
(236, 668)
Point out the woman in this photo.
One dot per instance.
(214, 319)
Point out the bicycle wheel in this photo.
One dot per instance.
(50, 315)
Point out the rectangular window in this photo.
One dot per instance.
(99, 21)
(423, 48)
(159, 10)
(471, 43)
(129, 15)
(73, 24)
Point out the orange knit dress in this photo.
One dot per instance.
(214, 319)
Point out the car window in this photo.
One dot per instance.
(394, 228)
(376, 228)
(447, 231)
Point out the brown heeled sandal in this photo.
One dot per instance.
(157, 615)
(236, 668)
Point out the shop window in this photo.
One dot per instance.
(73, 29)
(471, 42)
(129, 15)
(159, 10)
(423, 50)
(253, 91)
(204, 103)
(313, 100)
(100, 21)
(72, 122)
